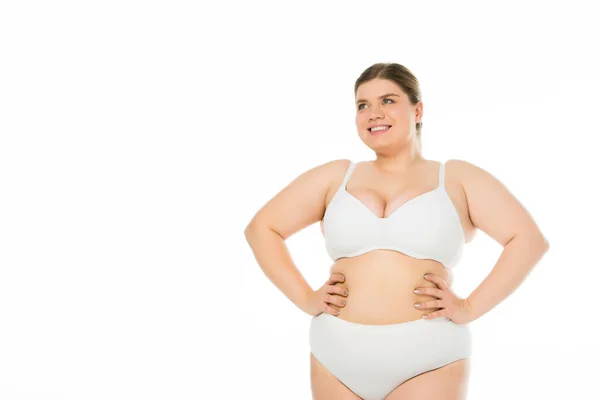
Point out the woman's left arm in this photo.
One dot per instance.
(494, 210)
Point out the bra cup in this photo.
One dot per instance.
(427, 227)
(345, 229)
(418, 226)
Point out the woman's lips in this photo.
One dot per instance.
(379, 132)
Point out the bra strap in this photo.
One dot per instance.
(442, 174)
(348, 173)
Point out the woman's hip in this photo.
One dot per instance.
(439, 340)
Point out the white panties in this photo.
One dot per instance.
(373, 360)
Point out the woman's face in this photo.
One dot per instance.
(382, 102)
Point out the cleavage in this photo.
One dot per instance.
(381, 208)
(377, 204)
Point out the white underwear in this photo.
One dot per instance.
(373, 360)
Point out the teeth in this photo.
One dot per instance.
(379, 128)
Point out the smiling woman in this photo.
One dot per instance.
(395, 228)
(378, 129)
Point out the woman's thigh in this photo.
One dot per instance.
(325, 386)
(445, 383)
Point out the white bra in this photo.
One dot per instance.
(424, 227)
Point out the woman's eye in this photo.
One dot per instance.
(360, 105)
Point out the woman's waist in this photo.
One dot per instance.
(382, 269)
(383, 307)
(381, 289)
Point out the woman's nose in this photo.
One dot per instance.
(375, 114)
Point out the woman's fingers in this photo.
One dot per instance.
(335, 278)
(330, 309)
(336, 300)
(340, 290)
(437, 280)
(429, 304)
(433, 315)
(336, 295)
(430, 291)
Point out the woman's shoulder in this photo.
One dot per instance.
(462, 170)
(328, 172)
(333, 171)
(337, 165)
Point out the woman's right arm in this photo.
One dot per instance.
(294, 208)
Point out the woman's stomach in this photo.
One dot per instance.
(381, 286)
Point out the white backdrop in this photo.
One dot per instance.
(137, 140)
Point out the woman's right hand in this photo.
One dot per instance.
(329, 298)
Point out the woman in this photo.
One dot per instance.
(395, 227)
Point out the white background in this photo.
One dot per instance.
(139, 138)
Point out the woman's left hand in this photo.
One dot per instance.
(452, 306)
